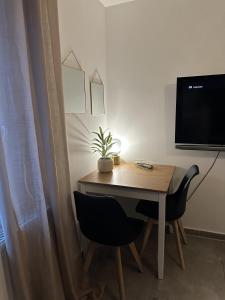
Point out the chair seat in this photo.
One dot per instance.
(118, 236)
(151, 209)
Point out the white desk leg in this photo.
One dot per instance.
(161, 234)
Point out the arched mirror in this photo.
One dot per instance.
(97, 95)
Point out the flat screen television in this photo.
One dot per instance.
(200, 112)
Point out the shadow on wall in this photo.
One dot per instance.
(211, 188)
(78, 134)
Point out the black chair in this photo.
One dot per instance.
(175, 208)
(103, 221)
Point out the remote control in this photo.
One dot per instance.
(144, 165)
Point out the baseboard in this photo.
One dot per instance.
(206, 234)
(194, 232)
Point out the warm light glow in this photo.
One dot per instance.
(124, 145)
(116, 148)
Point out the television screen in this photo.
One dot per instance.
(200, 110)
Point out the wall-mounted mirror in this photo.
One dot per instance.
(73, 86)
(97, 99)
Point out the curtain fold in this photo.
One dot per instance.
(3, 286)
(44, 253)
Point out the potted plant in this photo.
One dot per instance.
(102, 144)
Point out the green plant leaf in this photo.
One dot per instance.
(101, 132)
(108, 138)
(97, 144)
(102, 143)
(96, 140)
(99, 136)
(109, 154)
(109, 147)
(96, 149)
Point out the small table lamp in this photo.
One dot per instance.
(116, 149)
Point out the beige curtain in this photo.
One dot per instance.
(35, 199)
(3, 286)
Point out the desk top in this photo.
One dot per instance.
(131, 176)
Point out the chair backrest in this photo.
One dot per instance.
(179, 198)
(101, 212)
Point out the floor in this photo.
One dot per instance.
(203, 279)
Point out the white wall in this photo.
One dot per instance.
(149, 44)
(82, 28)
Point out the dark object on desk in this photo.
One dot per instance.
(144, 165)
(102, 220)
(175, 208)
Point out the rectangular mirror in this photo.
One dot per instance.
(97, 99)
(74, 89)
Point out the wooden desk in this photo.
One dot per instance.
(129, 181)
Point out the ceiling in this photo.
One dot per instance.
(114, 2)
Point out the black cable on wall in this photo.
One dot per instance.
(204, 177)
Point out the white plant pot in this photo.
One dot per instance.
(105, 165)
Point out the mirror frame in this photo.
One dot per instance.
(79, 68)
(91, 92)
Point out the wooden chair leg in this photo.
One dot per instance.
(148, 231)
(179, 246)
(120, 273)
(182, 232)
(89, 256)
(136, 256)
